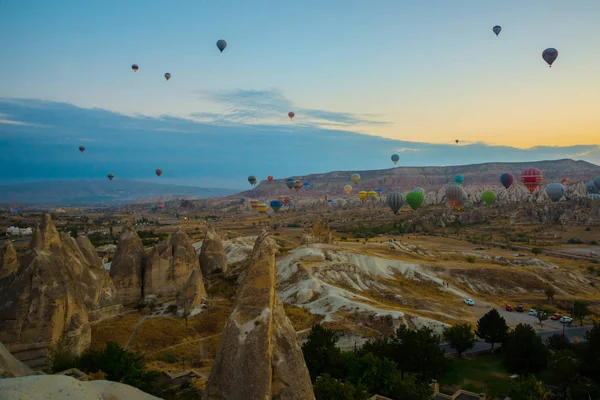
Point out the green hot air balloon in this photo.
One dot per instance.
(252, 180)
(555, 191)
(488, 197)
(395, 201)
(415, 199)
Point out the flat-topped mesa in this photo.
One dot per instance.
(9, 263)
(170, 266)
(212, 255)
(259, 356)
(126, 267)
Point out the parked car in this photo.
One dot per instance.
(533, 312)
(469, 302)
(508, 307)
(565, 320)
(556, 316)
(520, 308)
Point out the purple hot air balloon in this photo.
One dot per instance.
(550, 55)
(506, 179)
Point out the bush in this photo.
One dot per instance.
(591, 269)
(574, 241)
(593, 242)
(537, 251)
(471, 259)
(168, 357)
(172, 309)
(140, 306)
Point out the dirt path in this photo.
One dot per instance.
(140, 322)
(181, 344)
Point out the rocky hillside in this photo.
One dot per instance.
(429, 178)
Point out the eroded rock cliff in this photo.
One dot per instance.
(212, 255)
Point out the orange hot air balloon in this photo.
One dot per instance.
(291, 114)
(158, 172)
(532, 178)
(347, 189)
(270, 178)
(297, 185)
(254, 204)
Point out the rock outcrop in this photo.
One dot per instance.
(10, 367)
(193, 292)
(212, 255)
(8, 261)
(126, 267)
(170, 267)
(50, 300)
(320, 233)
(259, 350)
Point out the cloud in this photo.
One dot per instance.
(254, 106)
(214, 154)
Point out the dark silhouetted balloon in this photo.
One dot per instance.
(167, 76)
(550, 55)
(110, 177)
(506, 179)
(221, 45)
(555, 191)
(289, 182)
(252, 180)
(497, 29)
(395, 158)
(276, 205)
(270, 178)
(82, 148)
(135, 67)
(395, 201)
(291, 114)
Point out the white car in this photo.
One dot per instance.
(533, 312)
(565, 320)
(469, 302)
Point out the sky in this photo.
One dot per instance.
(381, 73)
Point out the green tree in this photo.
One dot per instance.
(418, 351)
(524, 351)
(321, 352)
(460, 337)
(564, 370)
(580, 311)
(492, 327)
(328, 388)
(550, 292)
(542, 314)
(558, 342)
(591, 355)
(537, 251)
(529, 389)
(74, 232)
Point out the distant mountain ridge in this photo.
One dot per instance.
(430, 178)
(101, 192)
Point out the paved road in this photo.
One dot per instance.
(571, 333)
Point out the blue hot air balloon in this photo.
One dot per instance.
(305, 185)
(276, 205)
(379, 191)
(497, 29)
(458, 179)
(594, 196)
(506, 179)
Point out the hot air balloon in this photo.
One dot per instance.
(549, 55)
(372, 193)
(270, 178)
(252, 180)
(167, 76)
(158, 172)
(287, 200)
(497, 29)
(254, 204)
(154, 208)
(593, 196)
(395, 201)
(332, 202)
(456, 141)
(262, 208)
(565, 180)
(242, 199)
(276, 205)
(419, 190)
(110, 177)
(297, 185)
(305, 185)
(555, 191)
(458, 179)
(597, 182)
(347, 189)
(289, 182)
(379, 191)
(160, 205)
(488, 197)
(532, 178)
(506, 179)
(82, 148)
(362, 194)
(415, 199)
(395, 158)
(291, 114)
(281, 198)
(355, 178)
(591, 188)
(221, 45)
(461, 201)
(135, 67)
(453, 194)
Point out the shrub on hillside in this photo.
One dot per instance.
(471, 259)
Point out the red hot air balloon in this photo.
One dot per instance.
(532, 178)
(270, 178)
(158, 172)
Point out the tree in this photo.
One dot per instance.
(591, 356)
(529, 389)
(524, 351)
(74, 232)
(328, 388)
(187, 310)
(460, 337)
(580, 311)
(537, 251)
(320, 352)
(564, 369)
(558, 342)
(492, 327)
(542, 314)
(418, 351)
(550, 292)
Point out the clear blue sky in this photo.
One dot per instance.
(413, 71)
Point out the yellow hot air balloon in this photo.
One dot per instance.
(355, 178)
(254, 204)
(262, 208)
(347, 189)
(372, 193)
(362, 195)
